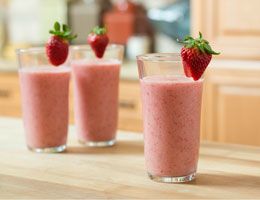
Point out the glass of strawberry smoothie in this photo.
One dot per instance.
(44, 92)
(171, 114)
(96, 82)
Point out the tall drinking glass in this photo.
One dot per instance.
(44, 92)
(96, 84)
(171, 113)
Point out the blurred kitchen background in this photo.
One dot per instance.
(231, 101)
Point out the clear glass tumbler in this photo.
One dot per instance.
(171, 117)
(45, 94)
(96, 83)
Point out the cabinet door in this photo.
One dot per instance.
(10, 104)
(130, 112)
(231, 109)
(232, 26)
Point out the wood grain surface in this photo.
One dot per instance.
(225, 171)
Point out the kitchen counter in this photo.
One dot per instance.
(225, 171)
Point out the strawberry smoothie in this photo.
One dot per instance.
(44, 93)
(96, 99)
(171, 111)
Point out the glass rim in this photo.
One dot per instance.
(30, 50)
(79, 47)
(86, 47)
(160, 57)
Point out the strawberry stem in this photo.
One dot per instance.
(199, 43)
(99, 30)
(63, 31)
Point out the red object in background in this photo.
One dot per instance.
(120, 22)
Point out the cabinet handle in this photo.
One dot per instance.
(127, 104)
(4, 93)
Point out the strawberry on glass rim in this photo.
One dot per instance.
(196, 55)
(98, 40)
(57, 47)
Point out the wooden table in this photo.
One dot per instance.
(225, 171)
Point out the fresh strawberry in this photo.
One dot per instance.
(98, 40)
(57, 47)
(196, 55)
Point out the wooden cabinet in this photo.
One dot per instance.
(231, 109)
(130, 111)
(232, 26)
(129, 101)
(9, 95)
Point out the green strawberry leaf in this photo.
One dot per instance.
(200, 35)
(201, 48)
(52, 32)
(65, 28)
(99, 30)
(65, 33)
(199, 43)
(71, 37)
(187, 37)
(209, 50)
(57, 26)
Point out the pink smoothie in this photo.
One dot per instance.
(45, 105)
(171, 111)
(96, 98)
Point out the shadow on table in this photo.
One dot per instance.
(121, 147)
(229, 181)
